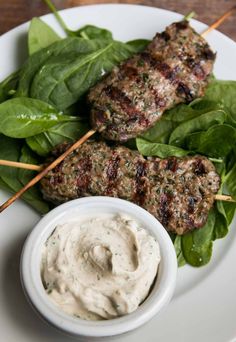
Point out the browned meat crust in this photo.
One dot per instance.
(174, 68)
(179, 192)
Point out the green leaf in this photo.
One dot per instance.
(217, 141)
(197, 245)
(202, 105)
(62, 81)
(68, 47)
(94, 32)
(229, 211)
(27, 157)
(221, 224)
(160, 132)
(181, 113)
(8, 86)
(40, 35)
(25, 117)
(147, 148)
(230, 180)
(223, 92)
(43, 143)
(199, 123)
(178, 250)
(33, 196)
(12, 179)
(9, 150)
(138, 45)
(172, 118)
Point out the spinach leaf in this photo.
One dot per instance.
(62, 81)
(223, 92)
(178, 250)
(230, 180)
(9, 150)
(163, 128)
(160, 132)
(40, 35)
(147, 148)
(217, 141)
(25, 117)
(93, 32)
(199, 123)
(172, 118)
(138, 45)
(197, 245)
(221, 224)
(43, 143)
(12, 179)
(230, 209)
(8, 86)
(203, 105)
(181, 113)
(193, 140)
(68, 47)
(33, 196)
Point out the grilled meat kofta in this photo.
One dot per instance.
(179, 192)
(174, 68)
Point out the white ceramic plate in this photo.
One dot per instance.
(204, 305)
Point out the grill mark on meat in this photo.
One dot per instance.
(164, 35)
(208, 54)
(195, 68)
(83, 168)
(124, 102)
(199, 168)
(112, 169)
(112, 173)
(140, 183)
(172, 164)
(181, 25)
(155, 64)
(54, 181)
(128, 71)
(164, 211)
(101, 116)
(191, 205)
(183, 90)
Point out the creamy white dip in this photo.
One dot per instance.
(100, 267)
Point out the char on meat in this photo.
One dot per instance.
(179, 192)
(174, 68)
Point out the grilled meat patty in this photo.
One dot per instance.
(179, 192)
(174, 68)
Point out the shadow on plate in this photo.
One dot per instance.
(21, 50)
(24, 318)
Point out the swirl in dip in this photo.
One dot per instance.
(99, 267)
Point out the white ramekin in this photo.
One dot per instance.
(31, 280)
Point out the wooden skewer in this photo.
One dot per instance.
(225, 198)
(218, 21)
(34, 167)
(20, 165)
(42, 173)
(46, 170)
